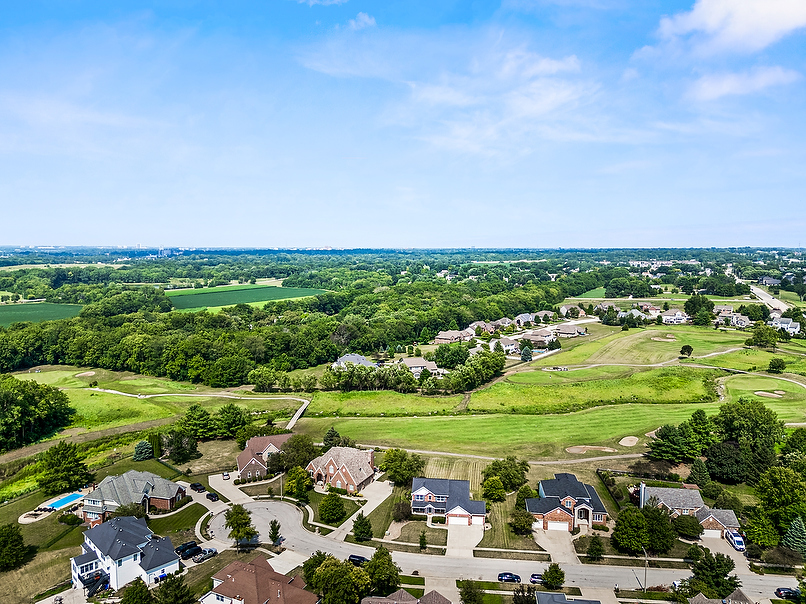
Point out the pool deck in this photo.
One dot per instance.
(33, 516)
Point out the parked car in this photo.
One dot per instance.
(225, 475)
(191, 552)
(198, 487)
(206, 554)
(787, 593)
(536, 579)
(508, 578)
(212, 496)
(735, 539)
(357, 560)
(187, 545)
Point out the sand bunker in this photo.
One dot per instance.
(767, 394)
(781, 392)
(586, 448)
(666, 339)
(652, 434)
(628, 441)
(86, 374)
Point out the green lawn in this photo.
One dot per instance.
(543, 395)
(754, 359)
(36, 312)
(376, 403)
(350, 508)
(230, 295)
(410, 533)
(501, 534)
(599, 293)
(381, 516)
(747, 385)
(183, 520)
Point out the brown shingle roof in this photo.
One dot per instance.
(257, 582)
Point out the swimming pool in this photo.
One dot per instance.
(65, 501)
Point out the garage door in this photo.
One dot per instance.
(558, 526)
(478, 520)
(712, 534)
(457, 520)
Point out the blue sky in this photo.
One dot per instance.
(347, 123)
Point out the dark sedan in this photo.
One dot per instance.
(191, 552)
(509, 578)
(536, 579)
(787, 593)
(181, 548)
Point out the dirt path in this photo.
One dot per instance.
(200, 395)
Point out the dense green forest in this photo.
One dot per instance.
(374, 300)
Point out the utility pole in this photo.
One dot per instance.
(646, 565)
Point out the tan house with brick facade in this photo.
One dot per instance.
(688, 502)
(253, 460)
(144, 488)
(344, 468)
(565, 503)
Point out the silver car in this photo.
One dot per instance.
(206, 554)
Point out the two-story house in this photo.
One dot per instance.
(787, 324)
(566, 503)
(344, 468)
(674, 316)
(256, 582)
(417, 364)
(121, 550)
(254, 459)
(143, 488)
(449, 498)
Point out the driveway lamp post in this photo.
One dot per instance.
(646, 564)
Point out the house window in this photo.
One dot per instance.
(597, 517)
(331, 469)
(134, 557)
(686, 512)
(338, 484)
(120, 562)
(349, 487)
(219, 598)
(440, 498)
(419, 498)
(567, 503)
(249, 474)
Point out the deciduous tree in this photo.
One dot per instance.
(384, 574)
(630, 532)
(173, 590)
(331, 508)
(239, 521)
(401, 466)
(493, 489)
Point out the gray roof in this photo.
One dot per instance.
(130, 487)
(675, 499)
(355, 359)
(726, 518)
(88, 556)
(737, 597)
(456, 491)
(565, 485)
(159, 551)
(544, 597)
(543, 505)
(119, 537)
(434, 597)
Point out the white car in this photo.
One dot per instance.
(736, 540)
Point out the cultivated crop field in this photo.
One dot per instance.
(36, 312)
(667, 385)
(229, 295)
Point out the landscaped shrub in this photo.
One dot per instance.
(600, 527)
(70, 519)
(712, 490)
(332, 489)
(438, 519)
(755, 551)
(782, 556)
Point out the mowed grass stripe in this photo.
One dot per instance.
(37, 312)
(231, 296)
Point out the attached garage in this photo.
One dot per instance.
(461, 520)
(478, 519)
(554, 525)
(712, 534)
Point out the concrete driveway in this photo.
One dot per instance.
(559, 544)
(462, 539)
(723, 547)
(374, 494)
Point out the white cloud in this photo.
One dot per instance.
(714, 86)
(735, 25)
(361, 21)
(322, 2)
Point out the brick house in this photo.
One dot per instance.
(449, 498)
(253, 460)
(715, 522)
(144, 488)
(256, 582)
(565, 503)
(344, 468)
(401, 596)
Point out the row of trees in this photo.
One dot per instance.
(341, 582)
(29, 411)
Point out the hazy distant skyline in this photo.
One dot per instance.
(352, 123)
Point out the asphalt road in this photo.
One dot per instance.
(773, 303)
(303, 542)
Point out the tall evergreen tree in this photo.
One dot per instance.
(63, 469)
(699, 473)
(12, 546)
(173, 590)
(795, 537)
(137, 593)
(362, 528)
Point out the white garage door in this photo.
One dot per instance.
(712, 534)
(478, 520)
(457, 520)
(558, 526)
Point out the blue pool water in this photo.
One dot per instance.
(65, 501)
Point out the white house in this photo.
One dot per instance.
(793, 327)
(674, 316)
(119, 551)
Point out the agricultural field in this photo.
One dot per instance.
(379, 403)
(36, 312)
(538, 393)
(229, 295)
